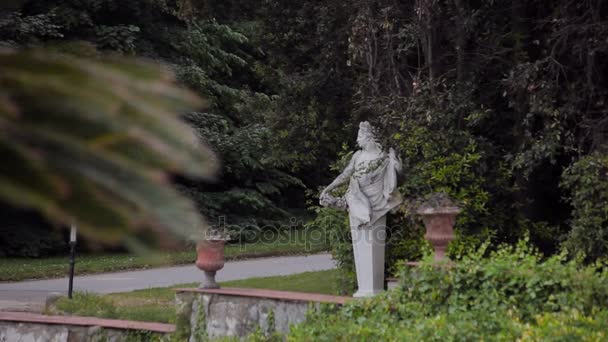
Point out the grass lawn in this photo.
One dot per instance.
(156, 304)
(287, 243)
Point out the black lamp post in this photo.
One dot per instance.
(72, 261)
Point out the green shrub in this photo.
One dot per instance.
(512, 279)
(87, 304)
(513, 294)
(567, 326)
(587, 181)
(95, 305)
(118, 38)
(26, 234)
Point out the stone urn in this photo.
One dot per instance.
(439, 215)
(210, 259)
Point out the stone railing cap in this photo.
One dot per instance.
(27, 317)
(272, 294)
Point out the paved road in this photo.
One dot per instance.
(21, 293)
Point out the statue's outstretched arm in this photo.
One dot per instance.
(344, 176)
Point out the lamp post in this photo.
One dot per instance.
(72, 261)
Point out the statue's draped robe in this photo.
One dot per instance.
(372, 193)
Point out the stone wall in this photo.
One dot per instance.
(28, 327)
(22, 332)
(203, 313)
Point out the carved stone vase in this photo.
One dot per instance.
(439, 224)
(210, 259)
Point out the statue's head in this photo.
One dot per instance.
(366, 137)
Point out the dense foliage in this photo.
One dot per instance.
(587, 182)
(512, 295)
(501, 104)
(213, 59)
(27, 234)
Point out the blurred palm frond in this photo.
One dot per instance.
(96, 142)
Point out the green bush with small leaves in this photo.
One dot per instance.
(514, 294)
(118, 38)
(587, 181)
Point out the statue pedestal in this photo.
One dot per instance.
(368, 247)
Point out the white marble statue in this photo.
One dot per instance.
(372, 177)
